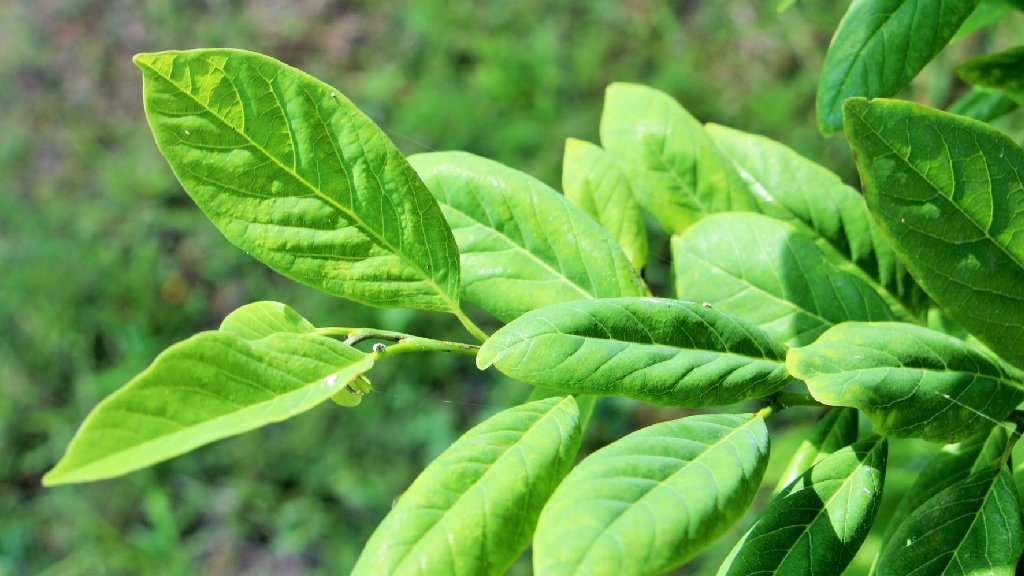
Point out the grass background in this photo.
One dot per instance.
(104, 261)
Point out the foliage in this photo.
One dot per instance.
(793, 309)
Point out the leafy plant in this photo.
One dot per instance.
(792, 289)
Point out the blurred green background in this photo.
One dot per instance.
(104, 260)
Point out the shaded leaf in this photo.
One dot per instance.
(676, 172)
(294, 174)
(473, 510)
(983, 104)
(649, 501)
(817, 524)
(769, 274)
(1002, 71)
(987, 12)
(523, 244)
(908, 380)
(210, 386)
(838, 429)
(815, 201)
(880, 46)
(593, 181)
(948, 193)
(657, 350)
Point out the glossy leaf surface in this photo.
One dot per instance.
(473, 510)
(656, 350)
(593, 181)
(1003, 71)
(815, 201)
(837, 430)
(948, 193)
(211, 386)
(649, 501)
(880, 46)
(677, 173)
(294, 174)
(971, 527)
(523, 244)
(908, 380)
(816, 525)
(771, 275)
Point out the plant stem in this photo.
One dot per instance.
(470, 326)
(403, 342)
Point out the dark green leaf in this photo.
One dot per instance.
(211, 386)
(948, 193)
(983, 104)
(771, 275)
(657, 350)
(909, 381)
(523, 245)
(473, 510)
(294, 174)
(1002, 71)
(791, 188)
(649, 501)
(880, 46)
(817, 524)
(676, 172)
(593, 181)
(838, 429)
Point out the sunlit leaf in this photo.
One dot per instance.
(838, 429)
(649, 501)
(880, 46)
(817, 524)
(771, 275)
(294, 174)
(473, 510)
(948, 193)
(908, 380)
(657, 350)
(523, 244)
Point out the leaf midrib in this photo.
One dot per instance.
(352, 215)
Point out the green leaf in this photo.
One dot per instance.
(676, 172)
(987, 12)
(594, 182)
(971, 527)
(880, 46)
(523, 244)
(983, 104)
(656, 350)
(838, 429)
(817, 524)
(262, 319)
(649, 501)
(294, 174)
(948, 193)
(771, 275)
(815, 201)
(211, 386)
(1002, 71)
(954, 463)
(473, 510)
(908, 380)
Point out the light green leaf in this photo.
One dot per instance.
(838, 429)
(593, 181)
(880, 46)
(948, 193)
(908, 380)
(262, 319)
(983, 104)
(987, 12)
(294, 174)
(523, 244)
(1003, 71)
(211, 386)
(954, 463)
(473, 510)
(769, 274)
(649, 501)
(676, 172)
(971, 527)
(817, 524)
(815, 201)
(656, 350)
